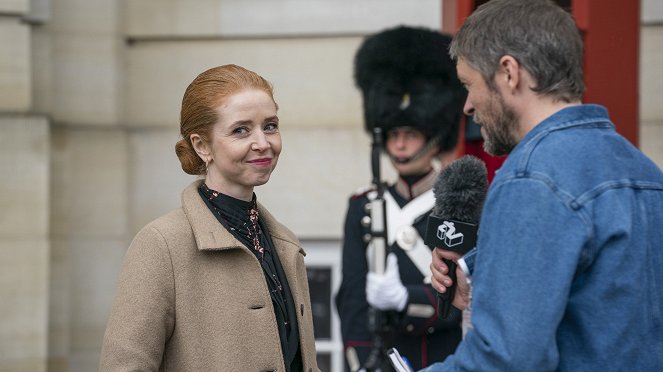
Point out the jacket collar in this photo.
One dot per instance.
(211, 235)
(582, 115)
(574, 116)
(410, 192)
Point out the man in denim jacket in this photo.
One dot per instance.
(569, 270)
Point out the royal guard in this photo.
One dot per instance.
(412, 94)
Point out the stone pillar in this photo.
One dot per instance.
(80, 89)
(24, 242)
(24, 202)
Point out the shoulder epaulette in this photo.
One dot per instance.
(362, 191)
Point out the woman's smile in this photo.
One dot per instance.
(262, 162)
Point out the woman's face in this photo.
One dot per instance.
(244, 144)
(403, 143)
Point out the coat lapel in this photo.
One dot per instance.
(286, 244)
(208, 232)
(211, 235)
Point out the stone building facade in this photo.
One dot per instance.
(90, 93)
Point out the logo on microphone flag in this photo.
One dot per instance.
(450, 234)
(447, 233)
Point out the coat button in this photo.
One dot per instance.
(431, 330)
(409, 328)
(301, 309)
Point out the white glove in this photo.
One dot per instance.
(386, 292)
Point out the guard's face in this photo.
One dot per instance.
(404, 142)
(245, 144)
(498, 120)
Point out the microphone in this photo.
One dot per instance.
(460, 191)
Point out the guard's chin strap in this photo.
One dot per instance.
(418, 154)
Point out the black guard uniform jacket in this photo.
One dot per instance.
(420, 335)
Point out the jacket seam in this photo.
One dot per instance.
(565, 198)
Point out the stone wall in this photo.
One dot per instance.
(651, 77)
(24, 202)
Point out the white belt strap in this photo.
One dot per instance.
(398, 219)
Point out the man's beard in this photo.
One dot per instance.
(499, 123)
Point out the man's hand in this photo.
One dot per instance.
(441, 281)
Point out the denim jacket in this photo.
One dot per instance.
(569, 270)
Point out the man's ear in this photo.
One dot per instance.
(200, 147)
(509, 72)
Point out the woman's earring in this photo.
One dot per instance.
(206, 165)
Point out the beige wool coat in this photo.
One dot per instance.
(191, 297)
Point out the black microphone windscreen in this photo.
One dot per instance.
(460, 190)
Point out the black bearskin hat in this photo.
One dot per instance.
(408, 79)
